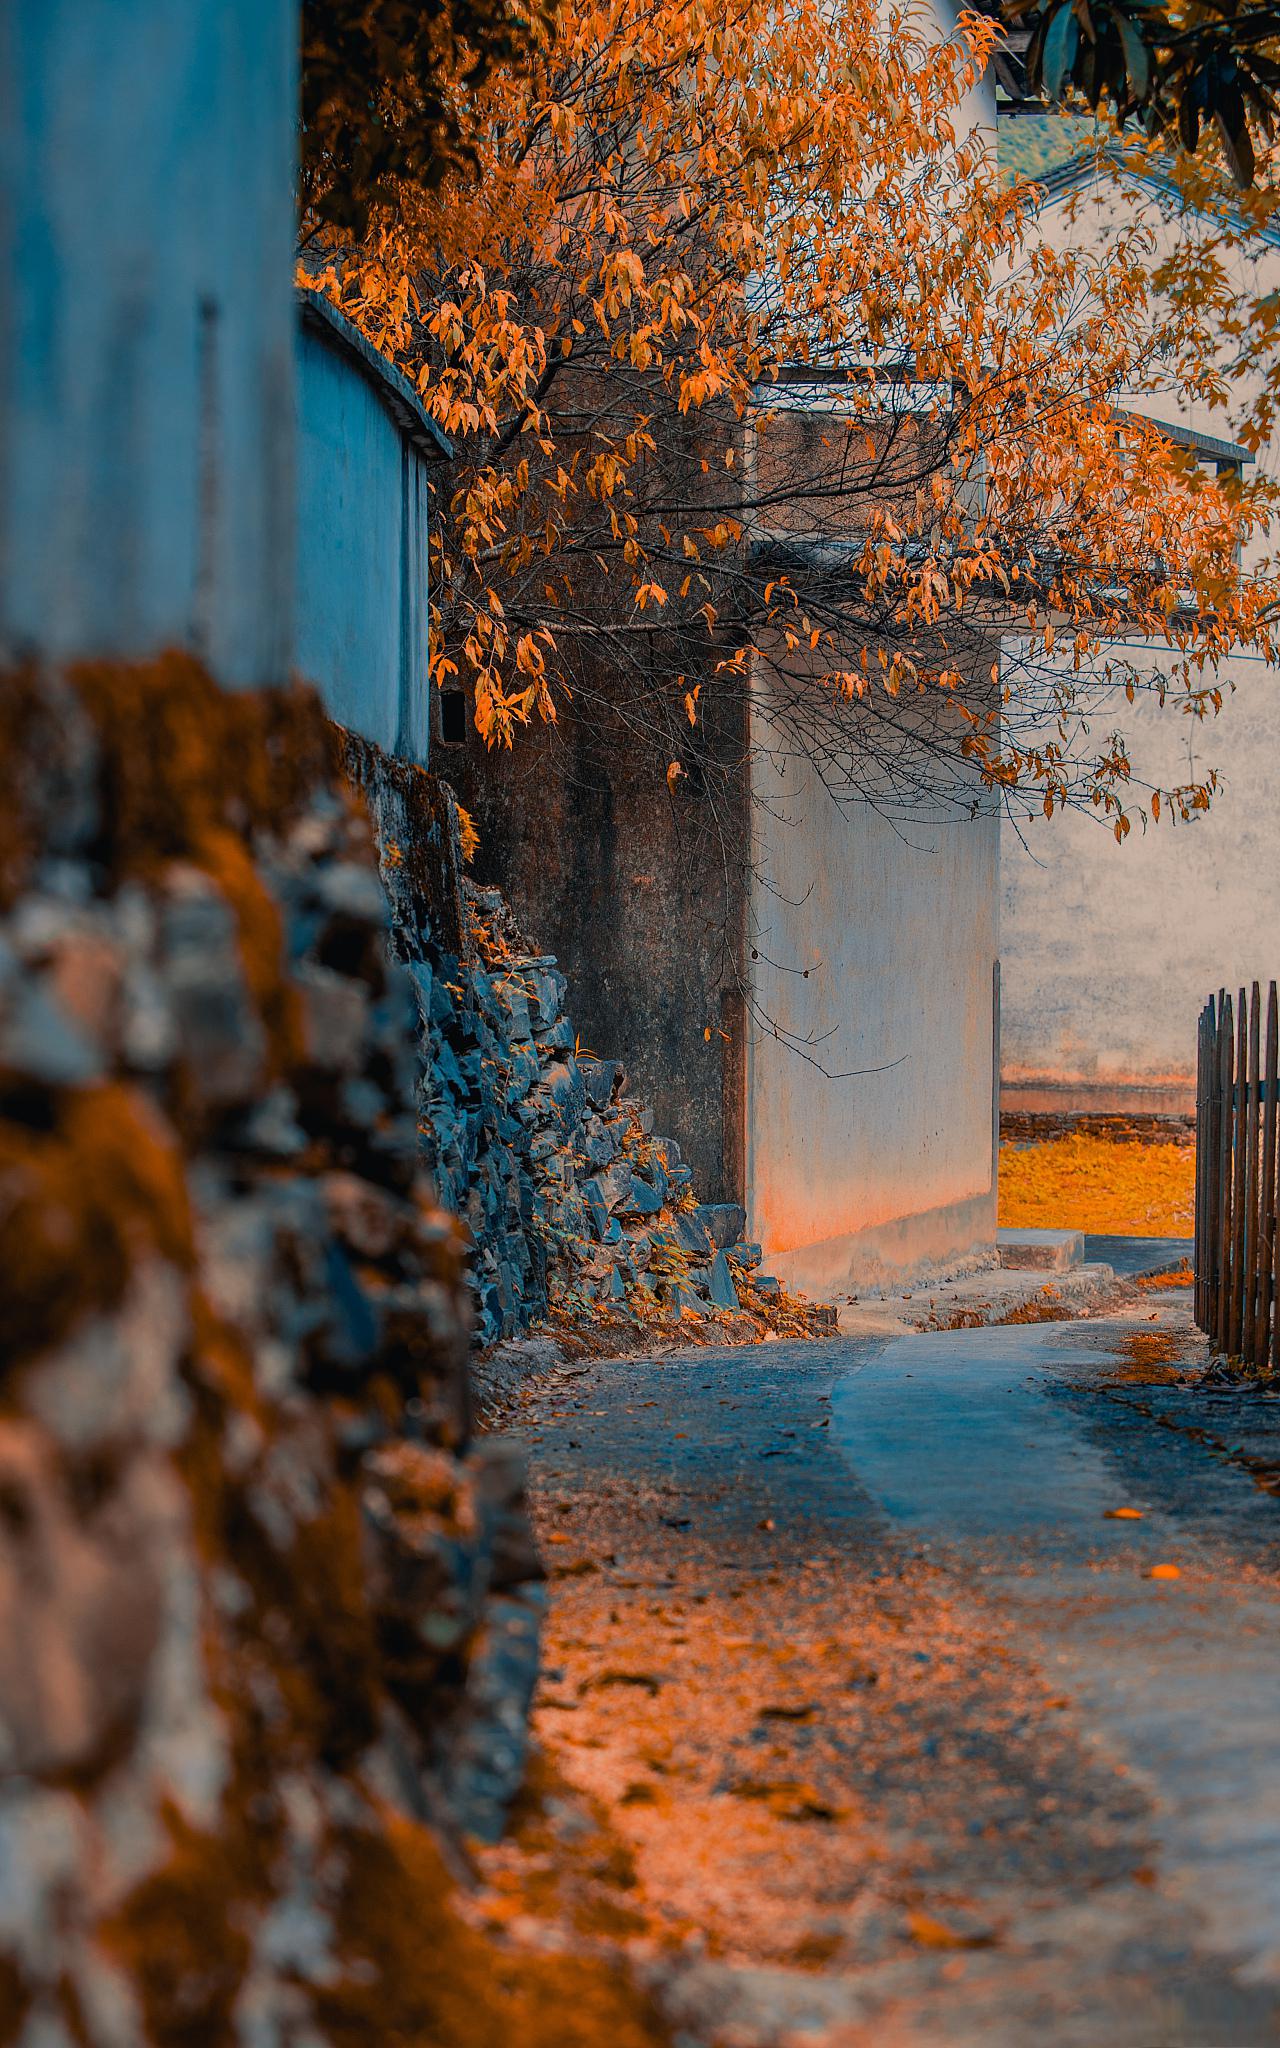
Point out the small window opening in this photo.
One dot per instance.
(453, 718)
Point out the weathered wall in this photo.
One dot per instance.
(364, 447)
(655, 898)
(637, 890)
(146, 331)
(872, 909)
(1110, 950)
(871, 1068)
(269, 1613)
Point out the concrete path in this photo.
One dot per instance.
(908, 1736)
(1126, 1255)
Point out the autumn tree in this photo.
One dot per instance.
(760, 380)
(384, 84)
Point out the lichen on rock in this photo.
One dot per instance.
(252, 1565)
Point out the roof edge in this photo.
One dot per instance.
(1184, 436)
(321, 317)
(1070, 176)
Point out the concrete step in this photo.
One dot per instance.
(1041, 1251)
(982, 1299)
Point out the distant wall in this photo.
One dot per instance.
(364, 447)
(146, 345)
(1109, 951)
(870, 1076)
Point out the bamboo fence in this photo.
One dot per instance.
(1237, 1094)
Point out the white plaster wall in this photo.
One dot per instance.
(871, 1050)
(1108, 950)
(362, 554)
(146, 329)
(876, 943)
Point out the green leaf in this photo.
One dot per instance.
(1062, 40)
(1237, 147)
(1137, 58)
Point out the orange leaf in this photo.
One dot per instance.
(931, 1933)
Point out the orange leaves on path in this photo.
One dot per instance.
(1086, 1181)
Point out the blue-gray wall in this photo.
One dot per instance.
(363, 498)
(146, 330)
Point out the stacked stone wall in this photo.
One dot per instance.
(268, 1614)
(575, 1207)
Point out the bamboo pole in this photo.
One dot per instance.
(1266, 1272)
(1212, 1162)
(1225, 1076)
(1235, 1319)
(1201, 1261)
(1250, 1258)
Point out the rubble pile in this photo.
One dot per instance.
(270, 1615)
(575, 1207)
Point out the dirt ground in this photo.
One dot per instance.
(817, 1775)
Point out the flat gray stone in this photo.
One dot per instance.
(1049, 1251)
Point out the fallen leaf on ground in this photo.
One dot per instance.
(607, 1678)
(787, 1798)
(1087, 1180)
(931, 1933)
(639, 1794)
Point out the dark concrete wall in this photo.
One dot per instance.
(639, 891)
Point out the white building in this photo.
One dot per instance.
(1109, 950)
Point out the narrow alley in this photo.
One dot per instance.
(928, 1683)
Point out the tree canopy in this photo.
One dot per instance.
(383, 85)
(689, 227)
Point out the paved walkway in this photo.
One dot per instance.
(905, 1735)
(1127, 1255)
